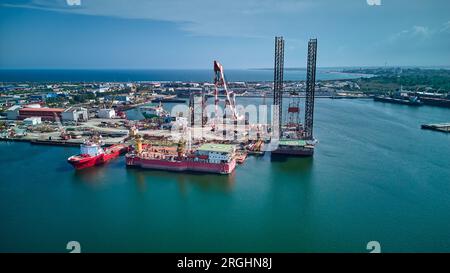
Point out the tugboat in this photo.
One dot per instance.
(92, 154)
(240, 157)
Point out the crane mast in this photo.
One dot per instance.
(230, 100)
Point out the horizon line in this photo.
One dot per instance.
(248, 68)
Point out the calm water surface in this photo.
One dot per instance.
(200, 75)
(375, 176)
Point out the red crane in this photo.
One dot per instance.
(230, 100)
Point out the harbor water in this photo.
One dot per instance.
(196, 75)
(375, 176)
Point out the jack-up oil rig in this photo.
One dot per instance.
(294, 137)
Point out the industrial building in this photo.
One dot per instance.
(106, 113)
(32, 121)
(36, 97)
(75, 114)
(120, 98)
(46, 114)
(13, 112)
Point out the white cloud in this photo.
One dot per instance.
(414, 40)
(446, 27)
(199, 17)
(413, 33)
(373, 2)
(420, 31)
(73, 2)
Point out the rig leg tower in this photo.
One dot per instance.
(278, 83)
(310, 88)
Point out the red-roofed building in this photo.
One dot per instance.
(50, 114)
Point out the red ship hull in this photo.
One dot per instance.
(180, 166)
(85, 161)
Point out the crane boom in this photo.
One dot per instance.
(220, 82)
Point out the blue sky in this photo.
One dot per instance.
(240, 33)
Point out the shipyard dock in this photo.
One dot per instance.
(191, 139)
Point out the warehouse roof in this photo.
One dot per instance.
(74, 109)
(14, 108)
(42, 109)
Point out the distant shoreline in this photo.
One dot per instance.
(164, 75)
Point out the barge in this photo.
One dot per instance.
(295, 147)
(411, 101)
(210, 158)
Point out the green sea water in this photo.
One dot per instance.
(376, 176)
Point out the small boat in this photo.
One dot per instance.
(240, 157)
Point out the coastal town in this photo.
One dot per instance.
(67, 112)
